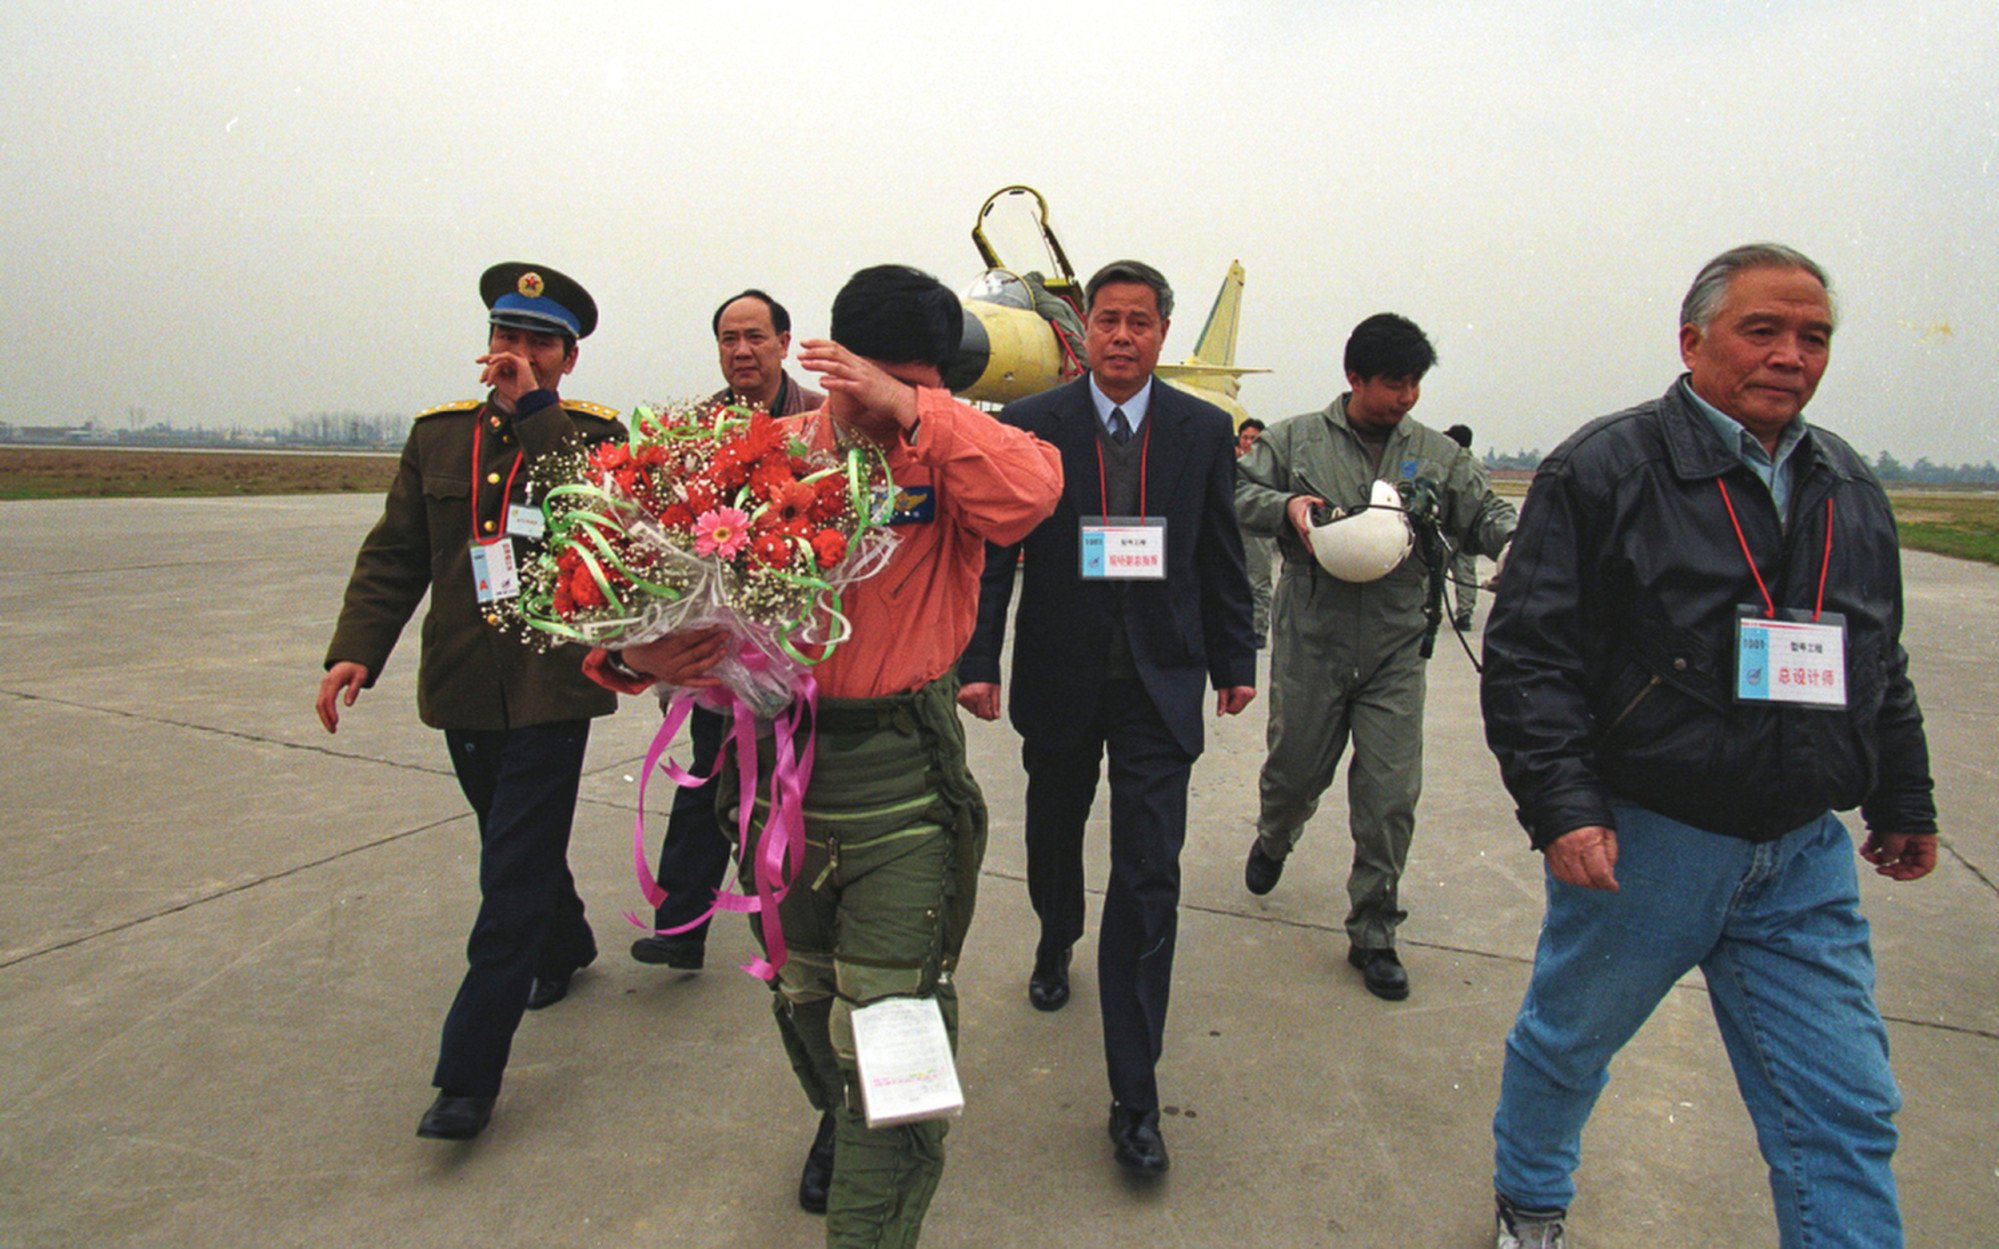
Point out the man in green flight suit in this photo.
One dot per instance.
(1347, 657)
(894, 823)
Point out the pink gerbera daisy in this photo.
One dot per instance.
(721, 532)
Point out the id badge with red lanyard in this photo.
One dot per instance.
(1789, 655)
(1124, 548)
(496, 573)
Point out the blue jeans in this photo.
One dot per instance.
(1776, 930)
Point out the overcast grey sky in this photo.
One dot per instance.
(233, 213)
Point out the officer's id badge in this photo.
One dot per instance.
(912, 505)
(495, 576)
(1124, 548)
(524, 521)
(1792, 659)
(1410, 469)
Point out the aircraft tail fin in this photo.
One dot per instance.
(1212, 367)
(1217, 341)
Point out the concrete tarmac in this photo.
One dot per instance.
(227, 942)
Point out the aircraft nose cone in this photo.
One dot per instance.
(975, 351)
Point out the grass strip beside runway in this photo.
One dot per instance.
(1963, 523)
(118, 473)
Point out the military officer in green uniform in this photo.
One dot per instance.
(1347, 658)
(515, 719)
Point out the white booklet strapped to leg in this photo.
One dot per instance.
(905, 1062)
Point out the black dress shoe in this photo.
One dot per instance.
(1381, 971)
(1048, 987)
(1135, 1141)
(546, 991)
(817, 1179)
(1260, 874)
(666, 952)
(455, 1118)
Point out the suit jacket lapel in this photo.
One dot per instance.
(1166, 459)
(1076, 438)
(1168, 455)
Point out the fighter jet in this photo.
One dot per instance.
(1024, 330)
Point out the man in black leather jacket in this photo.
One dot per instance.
(1694, 658)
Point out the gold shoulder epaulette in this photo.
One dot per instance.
(597, 410)
(462, 405)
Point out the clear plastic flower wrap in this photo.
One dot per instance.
(711, 515)
(715, 515)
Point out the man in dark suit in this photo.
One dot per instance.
(1135, 598)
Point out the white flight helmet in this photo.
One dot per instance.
(1367, 543)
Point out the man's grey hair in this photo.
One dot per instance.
(1135, 271)
(1711, 284)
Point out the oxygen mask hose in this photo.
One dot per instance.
(1419, 502)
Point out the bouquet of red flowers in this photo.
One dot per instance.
(714, 514)
(711, 514)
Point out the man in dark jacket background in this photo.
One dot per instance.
(1694, 658)
(752, 337)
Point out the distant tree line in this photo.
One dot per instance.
(1519, 459)
(1923, 472)
(358, 430)
(346, 429)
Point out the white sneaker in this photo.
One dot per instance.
(1527, 1229)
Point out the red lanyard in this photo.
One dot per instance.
(1825, 563)
(1103, 482)
(518, 456)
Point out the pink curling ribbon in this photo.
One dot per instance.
(781, 854)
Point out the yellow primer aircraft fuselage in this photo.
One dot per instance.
(1022, 355)
(1024, 332)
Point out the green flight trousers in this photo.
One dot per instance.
(1259, 555)
(1464, 584)
(895, 831)
(1318, 704)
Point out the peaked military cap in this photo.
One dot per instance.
(536, 297)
